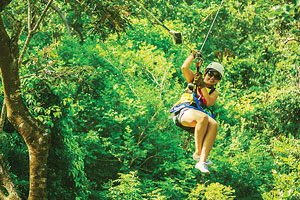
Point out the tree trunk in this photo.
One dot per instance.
(35, 135)
(7, 183)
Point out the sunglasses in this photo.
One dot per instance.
(217, 75)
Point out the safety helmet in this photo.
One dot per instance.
(216, 66)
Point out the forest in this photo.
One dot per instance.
(86, 89)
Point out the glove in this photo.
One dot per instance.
(196, 53)
(198, 80)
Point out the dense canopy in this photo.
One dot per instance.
(101, 76)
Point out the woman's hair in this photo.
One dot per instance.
(206, 71)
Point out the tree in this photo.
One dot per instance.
(106, 101)
(34, 133)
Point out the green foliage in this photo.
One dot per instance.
(127, 187)
(286, 151)
(14, 151)
(106, 101)
(211, 192)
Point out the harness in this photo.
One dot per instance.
(189, 100)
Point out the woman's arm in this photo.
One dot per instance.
(210, 98)
(189, 76)
(185, 68)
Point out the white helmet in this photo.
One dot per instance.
(216, 66)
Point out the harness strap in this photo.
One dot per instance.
(200, 107)
(175, 110)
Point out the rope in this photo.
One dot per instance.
(211, 25)
(149, 13)
(176, 35)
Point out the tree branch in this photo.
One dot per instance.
(7, 183)
(289, 39)
(62, 16)
(78, 31)
(16, 32)
(29, 15)
(145, 129)
(298, 70)
(3, 116)
(123, 77)
(147, 160)
(32, 32)
(42, 16)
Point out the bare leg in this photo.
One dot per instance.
(209, 139)
(200, 130)
(199, 120)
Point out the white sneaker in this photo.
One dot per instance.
(202, 166)
(209, 162)
(197, 158)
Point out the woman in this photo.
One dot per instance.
(194, 119)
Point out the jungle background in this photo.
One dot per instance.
(103, 82)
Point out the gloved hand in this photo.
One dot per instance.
(196, 53)
(198, 80)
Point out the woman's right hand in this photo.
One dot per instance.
(196, 52)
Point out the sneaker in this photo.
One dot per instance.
(197, 158)
(209, 162)
(202, 166)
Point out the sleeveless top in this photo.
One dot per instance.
(187, 96)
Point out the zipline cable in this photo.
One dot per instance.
(211, 26)
(199, 56)
(177, 35)
(149, 13)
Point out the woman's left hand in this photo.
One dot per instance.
(198, 80)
